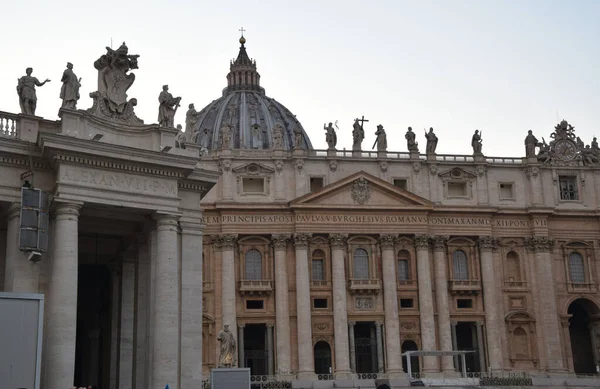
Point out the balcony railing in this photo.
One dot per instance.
(464, 287)
(516, 284)
(320, 284)
(407, 284)
(8, 125)
(364, 286)
(581, 287)
(255, 286)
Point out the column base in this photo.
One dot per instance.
(307, 376)
(342, 375)
(395, 374)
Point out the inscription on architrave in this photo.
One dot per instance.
(118, 181)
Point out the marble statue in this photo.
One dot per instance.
(256, 142)
(26, 91)
(432, 141)
(381, 139)
(180, 138)
(411, 143)
(358, 134)
(191, 118)
(330, 136)
(226, 131)
(278, 136)
(167, 108)
(227, 349)
(595, 144)
(476, 143)
(205, 137)
(69, 92)
(298, 137)
(531, 143)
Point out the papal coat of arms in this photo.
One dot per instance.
(361, 191)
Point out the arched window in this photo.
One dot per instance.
(318, 265)
(460, 265)
(253, 265)
(361, 264)
(403, 265)
(521, 343)
(513, 267)
(576, 268)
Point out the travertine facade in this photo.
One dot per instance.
(321, 262)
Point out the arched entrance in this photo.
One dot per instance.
(582, 345)
(322, 353)
(409, 345)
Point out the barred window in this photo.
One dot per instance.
(361, 264)
(576, 268)
(403, 263)
(568, 188)
(460, 265)
(253, 265)
(318, 265)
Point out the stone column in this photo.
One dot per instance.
(454, 343)
(490, 303)
(126, 329)
(142, 312)
(441, 294)
(390, 304)
(547, 296)
(352, 346)
(191, 303)
(227, 243)
(340, 318)
(270, 349)
(165, 364)
(306, 364)
(20, 274)
(480, 345)
(430, 364)
(282, 310)
(379, 335)
(61, 305)
(240, 344)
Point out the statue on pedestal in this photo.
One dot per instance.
(476, 143)
(278, 136)
(191, 118)
(26, 91)
(69, 92)
(180, 138)
(358, 134)
(298, 144)
(381, 139)
(412, 145)
(256, 142)
(531, 143)
(227, 350)
(226, 131)
(167, 108)
(330, 136)
(432, 141)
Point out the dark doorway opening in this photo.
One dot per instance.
(365, 346)
(579, 331)
(92, 348)
(255, 349)
(322, 353)
(466, 339)
(409, 345)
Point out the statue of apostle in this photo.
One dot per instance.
(412, 145)
(69, 92)
(330, 136)
(432, 141)
(358, 134)
(26, 91)
(227, 351)
(381, 139)
(530, 143)
(167, 108)
(191, 118)
(476, 143)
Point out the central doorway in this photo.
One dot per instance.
(466, 339)
(255, 349)
(322, 353)
(584, 361)
(365, 347)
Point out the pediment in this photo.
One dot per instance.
(457, 173)
(253, 169)
(362, 190)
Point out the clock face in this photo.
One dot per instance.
(565, 150)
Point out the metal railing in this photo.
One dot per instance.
(279, 381)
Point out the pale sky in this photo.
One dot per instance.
(503, 67)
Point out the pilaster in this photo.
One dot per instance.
(442, 304)
(227, 243)
(306, 369)
(340, 318)
(282, 314)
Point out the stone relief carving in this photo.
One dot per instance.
(298, 144)
(301, 240)
(322, 327)
(225, 165)
(228, 241)
(337, 241)
(299, 164)
(278, 136)
(480, 169)
(387, 241)
(541, 244)
(383, 166)
(26, 91)
(226, 132)
(380, 139)
(333, 165)
(278, 165)
(433, 169)
(476, 143)
(411, 143)
(439, 242)
(487, 243)
(416, 167)
(110, 100)
(531, 172)
(280, 241)
(432, 141)
(421, 241)
(69, 92)
(330, 136)
(408, 325)
(363, 303)
(361, 191)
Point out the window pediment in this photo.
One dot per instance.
(457, 174)
(254, 169)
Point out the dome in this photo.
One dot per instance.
(250, 113)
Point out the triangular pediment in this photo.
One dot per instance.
(362, 190)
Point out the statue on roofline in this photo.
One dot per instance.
(26, 91)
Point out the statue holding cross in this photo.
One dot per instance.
(358, 134)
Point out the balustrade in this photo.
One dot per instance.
(8, 125)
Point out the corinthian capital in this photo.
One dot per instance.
(487, 243)
(280, 241)
(439, 242)
(387, 241)
(421, 241)
(301, 240)
(539, 244)
(228, 241)
(338, 241)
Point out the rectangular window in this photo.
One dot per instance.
(457, 189)
(318, 271)
(506, 191)
(255, 304)
(407, 303)
(253, 185)
(320, 303)
(464, 303)
(316, 184)
(568, 188)
(401, 183)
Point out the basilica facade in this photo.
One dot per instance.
(325, 264)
